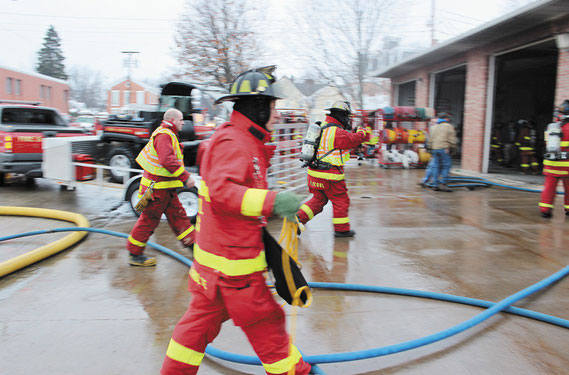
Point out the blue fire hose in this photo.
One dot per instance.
(491, 309)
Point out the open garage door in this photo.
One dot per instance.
(524, 90)
(449, 97)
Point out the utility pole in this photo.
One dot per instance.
(129, 62)
(432, 23)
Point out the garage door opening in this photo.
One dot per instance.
(449, 97)
(523, 98)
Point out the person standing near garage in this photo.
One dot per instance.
(442, 139)
(526, 144)
(326, 176)
(226, 279)
(164, 172)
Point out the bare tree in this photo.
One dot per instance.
(348, 33)
(215, 41)
(86, 86)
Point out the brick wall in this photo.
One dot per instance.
(18, 85)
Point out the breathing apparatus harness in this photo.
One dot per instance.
(310, 147)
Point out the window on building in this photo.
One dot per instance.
(18, 86)
(8, 85)
(42, 90)
(115, 98)
(66, 95)
(140, 97)
(126, 97)
(49, 93)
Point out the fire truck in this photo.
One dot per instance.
(122, 137)
(23, 126)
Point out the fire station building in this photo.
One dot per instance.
(515, 67)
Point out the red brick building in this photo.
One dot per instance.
(19, 85)
(129, 96)
(515, 67)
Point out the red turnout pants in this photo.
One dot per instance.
(322, 191)
(549, 191)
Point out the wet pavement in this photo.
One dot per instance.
(86, 311)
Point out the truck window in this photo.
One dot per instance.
(183, 103)
(31, 116)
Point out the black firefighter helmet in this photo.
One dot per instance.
(252, 91)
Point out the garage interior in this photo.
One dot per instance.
(524, 90)
(449, 97)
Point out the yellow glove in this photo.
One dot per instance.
(145, 199)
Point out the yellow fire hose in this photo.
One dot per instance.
(45, 251)
(289, 242)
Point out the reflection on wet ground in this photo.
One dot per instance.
(86, 311)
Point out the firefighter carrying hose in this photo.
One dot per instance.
(526, 144)
(556, 162)
(164, 172)
(226, 279)
(326, 175)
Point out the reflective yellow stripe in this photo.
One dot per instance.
(162, 184)
(534, 163)
(230, 267)
(526, 148)
(495, 146)
(135, 242)
(564, 143)
(528, 138)
(553, 163)
(186, 232)
(340, 254)
(182, 354)
(553, 171)
(326, 176)
(340, 220)
(285, 364)
(308, 211)
(524, 165)
(252, 203)
(179, 171)
(545, 205)
(203, 190)
(566, 206)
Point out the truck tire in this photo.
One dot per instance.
(188, 197)
(121, 157)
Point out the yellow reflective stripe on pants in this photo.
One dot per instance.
(524, 165)
(566, 206)
(553, 163)
(230, 267)
(186, 232)
(526, 148)
(162, 184)
(545, 205)
(308, 211)
(326, 176)
(135, 242)
(553, 171)
(253, 201)
(180, 353)
(284, 365)
(340, 220)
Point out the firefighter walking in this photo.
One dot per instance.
(326, 175)
(226, 279)
(556, 163)
(164, 172)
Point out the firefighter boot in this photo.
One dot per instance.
(348, 233)
(547, 214)
(141, 260)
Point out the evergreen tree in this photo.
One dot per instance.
(50, 57)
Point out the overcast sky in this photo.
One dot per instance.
(94, 32)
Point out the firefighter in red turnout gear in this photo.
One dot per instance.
(163, 165)
(556, 165)
(326, 177)
(226, 279)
